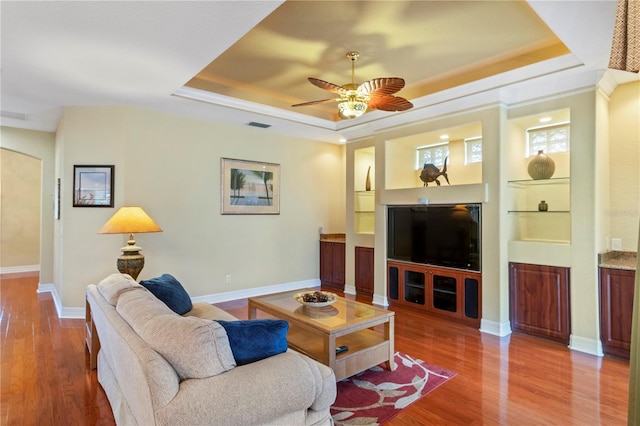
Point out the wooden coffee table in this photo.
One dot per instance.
(366, 330)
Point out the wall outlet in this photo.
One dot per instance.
(616, 244)
(228, 278)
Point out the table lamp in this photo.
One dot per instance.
(130, 220)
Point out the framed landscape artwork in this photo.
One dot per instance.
(93, 186)
(249, 187)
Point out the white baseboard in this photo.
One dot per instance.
(583, 344)
(500, 329)
(73, 313)
(380, 300)
(350, 289)
(257, 291)
(79, 312)
(19, 269)
(50, 288)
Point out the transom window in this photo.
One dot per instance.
(433, 154)
(548, 139)
(473, 150)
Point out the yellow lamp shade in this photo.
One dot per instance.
(129, 220)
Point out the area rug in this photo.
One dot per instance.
(377, 394)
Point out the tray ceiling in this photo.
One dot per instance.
(433, 45)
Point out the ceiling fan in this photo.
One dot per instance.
(355, 99)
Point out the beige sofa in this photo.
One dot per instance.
(158, 367)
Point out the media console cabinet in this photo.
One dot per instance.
(454, 293)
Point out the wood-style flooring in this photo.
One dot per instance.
(517, 380)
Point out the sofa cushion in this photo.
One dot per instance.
(170, 291)
(114, 284)
(253, 340)
(196, 348)
(206, 311)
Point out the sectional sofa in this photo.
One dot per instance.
(159, 367)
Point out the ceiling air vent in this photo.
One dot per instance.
(261, 125)
(15, 115)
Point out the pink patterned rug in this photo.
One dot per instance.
(377, 394)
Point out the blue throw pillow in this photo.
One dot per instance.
(253, 340)
(171, 292)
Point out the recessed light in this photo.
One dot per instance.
(444, 137)
(342, 140)
(545, 119)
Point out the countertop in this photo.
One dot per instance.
(334, 238)
(618, 260)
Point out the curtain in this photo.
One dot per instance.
(625, 48)
(633, 417)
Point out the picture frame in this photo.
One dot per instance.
(249, 187)
(93, 186)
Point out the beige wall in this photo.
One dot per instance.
(624, 166)
(170, 165)
(39, 146)
(19, 209)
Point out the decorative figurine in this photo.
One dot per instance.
(430, 173)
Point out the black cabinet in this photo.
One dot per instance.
(414, 287)
(445, 293)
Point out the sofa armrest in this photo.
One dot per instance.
(254, 393)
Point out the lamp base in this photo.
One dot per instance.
(131, 264)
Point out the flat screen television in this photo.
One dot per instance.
(439, 235)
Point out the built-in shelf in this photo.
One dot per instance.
(364, 195)
(550, 181)
(527, 222)
(364, 211)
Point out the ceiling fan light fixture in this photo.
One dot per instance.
(352, 109)
(354, 99)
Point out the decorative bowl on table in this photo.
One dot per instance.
(316, 298)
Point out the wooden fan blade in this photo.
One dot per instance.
(381, 86)
(325, 85)
(317, 102)
(390, 103)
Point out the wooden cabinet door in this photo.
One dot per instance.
(539, 300)
(616, 310)
(338, 260)
(326, 262)
(364, 271)
(332, 265)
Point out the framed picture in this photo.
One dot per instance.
(249, 187)
(93, 186)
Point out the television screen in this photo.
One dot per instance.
(439, 235)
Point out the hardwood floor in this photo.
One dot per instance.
(517, 380)
(44, 374)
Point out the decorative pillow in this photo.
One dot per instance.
(253, 340)
(196, 348)
(171, 292)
